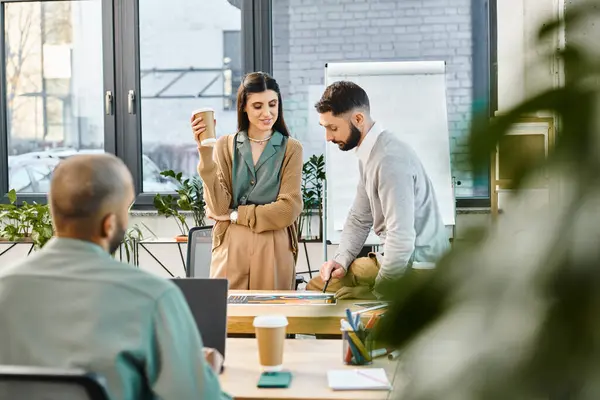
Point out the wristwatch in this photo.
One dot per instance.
(233, 216)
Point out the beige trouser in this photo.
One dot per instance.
(254, 261)
(362, 272)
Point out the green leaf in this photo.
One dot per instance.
(184, 202)
(189, 198)
(168, 174)
(12, 196)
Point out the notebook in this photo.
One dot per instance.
(358, 379)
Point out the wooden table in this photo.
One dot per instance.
(308, 360)
(302, 319)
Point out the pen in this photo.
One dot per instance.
(371, 321)
(378, 352)
(350, 319)
(359, 372)
(359, 345)
(377, 307)
(327, 283)
(345, 327)
(354, 350)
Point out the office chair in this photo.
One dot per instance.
(35, 383)
(199, 254)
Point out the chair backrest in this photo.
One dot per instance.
(34, 383)
(199, 252)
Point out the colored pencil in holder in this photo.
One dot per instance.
(357, 349)
(352, 348)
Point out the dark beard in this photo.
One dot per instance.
(353, 139)
(116, 240)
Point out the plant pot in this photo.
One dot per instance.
(181, 238)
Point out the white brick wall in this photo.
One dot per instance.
(309, 33)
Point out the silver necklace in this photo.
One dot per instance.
(260, 141)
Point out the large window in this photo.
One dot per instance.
(123, 76)
(308, 34)
(53, 88)
(184, 66)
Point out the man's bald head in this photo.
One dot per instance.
(85, 191)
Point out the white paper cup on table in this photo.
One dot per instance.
(209, 136)
(270, 334)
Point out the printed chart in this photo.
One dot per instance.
(283, 299)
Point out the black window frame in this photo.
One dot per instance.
(485, 78)
(230, 104)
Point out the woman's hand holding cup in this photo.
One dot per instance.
(203, 127)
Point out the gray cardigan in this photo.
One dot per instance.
(395, 197)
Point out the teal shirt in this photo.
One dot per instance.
(257, 184)
(72, 305)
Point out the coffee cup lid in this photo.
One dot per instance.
(204, 109)
(270, 321)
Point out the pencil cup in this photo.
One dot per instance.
(357, 347)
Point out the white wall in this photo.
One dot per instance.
(526, 66)
(523, 66)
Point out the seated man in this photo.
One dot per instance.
(72, 305)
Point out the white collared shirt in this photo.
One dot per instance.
(364, 150)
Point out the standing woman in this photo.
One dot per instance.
(252, 190)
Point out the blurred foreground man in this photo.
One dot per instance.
(72, 305)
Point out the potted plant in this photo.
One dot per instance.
(30, 223)
(189, 197)
(133, 236)
(518, 304)
(313, 179)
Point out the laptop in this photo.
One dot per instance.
(207, 299)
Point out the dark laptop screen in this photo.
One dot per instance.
(207, 299)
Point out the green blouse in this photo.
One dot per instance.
(257, 184)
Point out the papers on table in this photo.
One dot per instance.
(358, 379)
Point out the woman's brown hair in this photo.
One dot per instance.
(258, 82)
